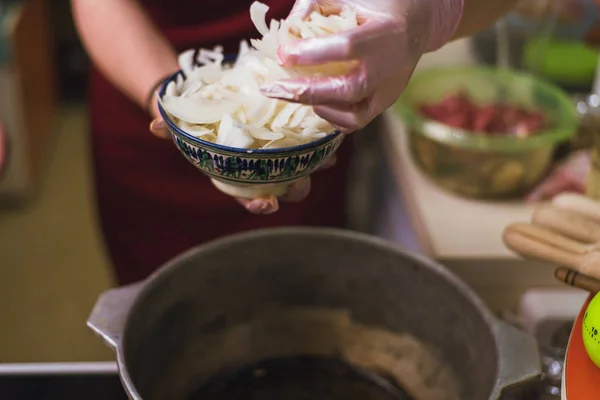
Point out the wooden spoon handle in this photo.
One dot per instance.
(578, 203)
(567, 222)
(576, 279)
(550, 238)
(530, 247)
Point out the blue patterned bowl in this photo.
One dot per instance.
(250, 173)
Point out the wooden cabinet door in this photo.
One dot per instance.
(33, 67)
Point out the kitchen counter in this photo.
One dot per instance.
(461, 233)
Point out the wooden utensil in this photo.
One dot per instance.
(578, 203)
(576, 279)
(569, 223)
(543, 245)
(551, 238)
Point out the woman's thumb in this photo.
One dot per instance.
(159, 128)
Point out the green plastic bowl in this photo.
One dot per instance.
(547, 56)
(475, 164)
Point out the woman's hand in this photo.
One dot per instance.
(266, 205)
(388, 43)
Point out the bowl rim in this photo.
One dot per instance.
(221, 148)
(481, 140)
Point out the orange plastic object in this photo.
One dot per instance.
(582, 377)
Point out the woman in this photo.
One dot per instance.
(152, 203)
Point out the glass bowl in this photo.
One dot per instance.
(477, 164)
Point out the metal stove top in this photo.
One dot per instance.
(60, 381)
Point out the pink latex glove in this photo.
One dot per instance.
(389, 41)
(569, 176)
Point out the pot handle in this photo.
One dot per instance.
(109, 315)
(519, 358)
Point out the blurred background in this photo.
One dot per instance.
(52, 262)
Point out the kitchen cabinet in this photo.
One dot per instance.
(27, 95)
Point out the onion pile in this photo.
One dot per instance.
(221, 103)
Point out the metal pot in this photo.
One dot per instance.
(172, 331)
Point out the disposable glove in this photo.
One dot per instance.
(391, 38)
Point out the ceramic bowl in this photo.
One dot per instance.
(249, 173)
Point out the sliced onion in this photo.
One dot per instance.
(210, 56)
(258, 15)
(313, 133)
(186, 61)
(295, 28)
(179, 82)
(223, 104)
(284, 115)
(348, 18)
(264, 134)
(268, 115)
(243, 50)
(241, 116)
(196, 112)
(298, 116)
(171, 89)
(195, 130)
(326, 24)
(231, 135)
(210, 73)
(281, 143)
(190, 88)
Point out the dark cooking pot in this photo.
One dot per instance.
(305, 291)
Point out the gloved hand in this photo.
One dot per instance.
(267, 205)
(388, 43)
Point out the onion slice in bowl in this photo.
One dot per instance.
(222, 103)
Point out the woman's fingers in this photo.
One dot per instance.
(352, 117)
(159, 128)
(344, 89)
(347, 119)
(354, 44)
(261, 206)
(317, 51)
(297, 191)
(302, 9)
(344, 101)
(327, 163)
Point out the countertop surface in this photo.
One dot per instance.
(451, 226)
(463, 234)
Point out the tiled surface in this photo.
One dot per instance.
(52, 266)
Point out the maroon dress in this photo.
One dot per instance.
(152, 203)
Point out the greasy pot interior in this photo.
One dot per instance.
(289, 291)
